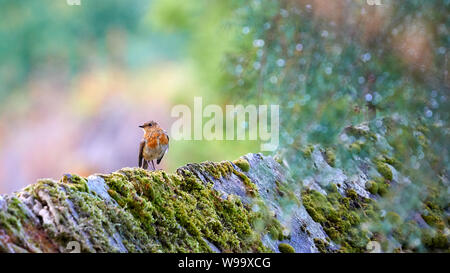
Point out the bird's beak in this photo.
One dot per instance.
(141, 126)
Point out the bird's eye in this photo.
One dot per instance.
(150, 125)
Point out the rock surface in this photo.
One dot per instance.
(202, 208)
(206, 207)
(252, 204)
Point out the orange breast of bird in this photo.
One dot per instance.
(156, 138)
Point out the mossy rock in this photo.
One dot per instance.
(393, 218)
(330, 157)
(338, 215)
(286, 248)
(321, 245)
(383, 188)
(242, 164)
(372, 187)
(134, 210)
(307, 151)
(384, 170)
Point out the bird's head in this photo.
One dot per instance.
(149, 125)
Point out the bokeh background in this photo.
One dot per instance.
(76, 81)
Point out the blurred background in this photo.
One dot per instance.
(76, 81)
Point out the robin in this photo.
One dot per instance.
(154, 145)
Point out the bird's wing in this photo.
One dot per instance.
(162, 155)
(141, 151)
(165, 151)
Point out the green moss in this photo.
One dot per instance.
(217, 170)
(171, 200)
(331, 187)
(352, 194)
(384, 170)
(372, 187)
(321, 245)
(15, 207)
(224, 169)
(393, 218)
(338, 215)
(431, 219)
(330, 157)
(307, 151)
(286, 248)
(433, 215)
(249, 185)
(304, 229)
(242, 164)
(383, 188)
(391, 161)
(9, 222)
(333, 233)
(359, 133)
(356, 147)
(75, 181)
(12, 217)
(435, 240)
(278, 159)
(265, 222)
(316, 204)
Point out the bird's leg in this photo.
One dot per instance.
(153, 164)
(145, 164)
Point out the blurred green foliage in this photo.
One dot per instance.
(38, 35)
(76, 46)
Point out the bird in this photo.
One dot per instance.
(154, 144)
